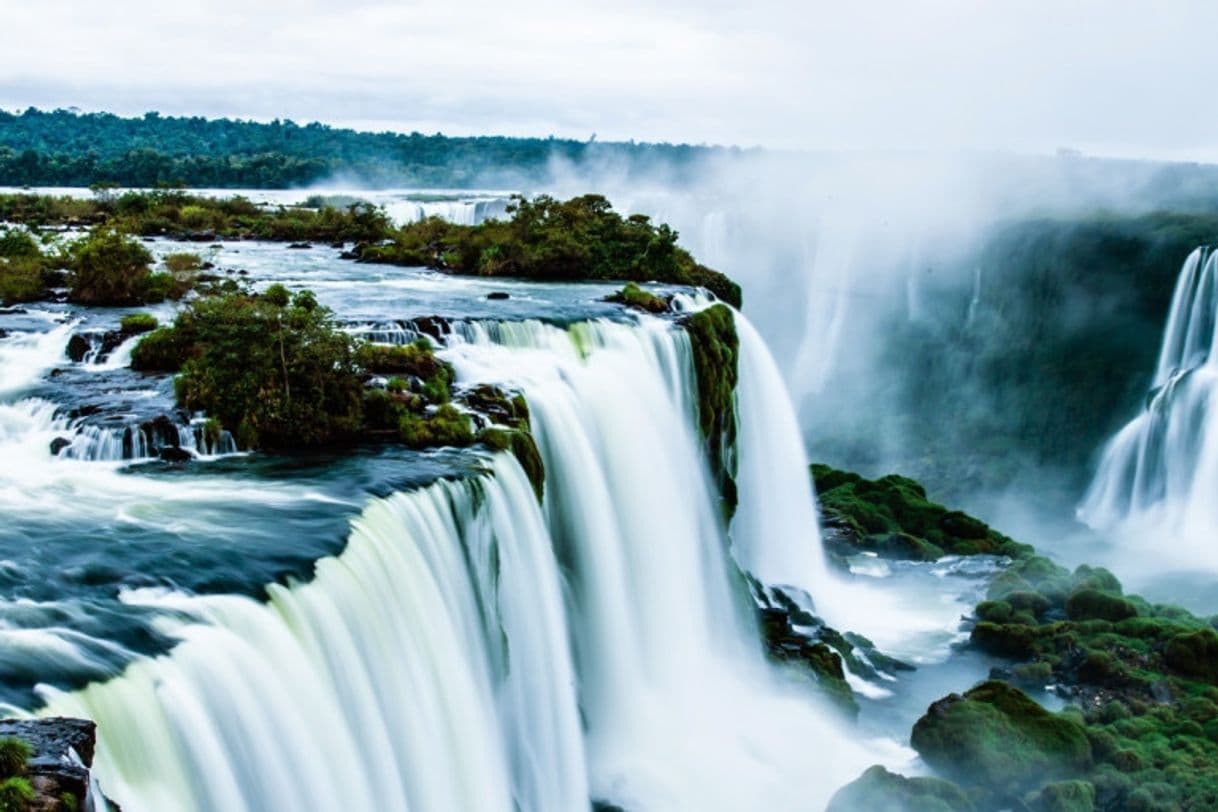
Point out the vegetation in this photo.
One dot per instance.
(551, 240)
(892, 517)
(180, 214)
(1142, 733)
(16, 793)
(61, 148)
(137, 323)
(634, 296)
(1070, 313)
(24, 269)
(716, 349)
(878, 790)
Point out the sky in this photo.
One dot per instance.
(1110, 77)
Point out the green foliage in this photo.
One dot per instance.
(14, 753)
(61, 148)
(815, 657)
(109, 269)
(445, 426)
(996, 737)
(183, 262)
(1063, 796)
(24, 270)
(279, 375)
(547, 239)
(138, 323)
(162, 350)
(16, 795)
(716, 351)
(891, 516)
(633, 296)
(878, 790)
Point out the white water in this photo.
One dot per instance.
(469, 650)
(1160, 472)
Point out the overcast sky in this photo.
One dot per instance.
(1104, 76)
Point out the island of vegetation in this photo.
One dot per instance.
(545, 239)
(1141, 729)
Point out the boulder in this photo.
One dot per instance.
(498, 295)
(878, 790)
(78, 347)
(59, 444)
(996, 737)
(60, 757)
(174, 454)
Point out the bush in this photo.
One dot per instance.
(183, 263)
(138, 323)
(16, 795)
(14, 753)
(162, 350)
(110, 269)
(445, 426)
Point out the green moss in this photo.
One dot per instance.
(524, 447)
(1092, 604)
(430, 376)
(878, 790)
(1194, 654)
(1063, 796)
(16, 795)
(893, 517)
(138, 323)
(633, 296)
(996, 737)
(446, 426)
(716, 350)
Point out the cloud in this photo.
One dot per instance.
(1112, 77)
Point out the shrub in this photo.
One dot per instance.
(445, 426)
(138, 323)
(110, 269)
(14, 753)
(162, 350)
(16, 795)
(183, 263)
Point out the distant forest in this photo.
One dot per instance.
(66, 148)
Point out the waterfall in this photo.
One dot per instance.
(1161, 469)
(472, 649)
(26, 357)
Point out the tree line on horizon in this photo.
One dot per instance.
(67, 148)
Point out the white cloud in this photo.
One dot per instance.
(1115, 77)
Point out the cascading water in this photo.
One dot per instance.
(1161, 469)
(473, 650)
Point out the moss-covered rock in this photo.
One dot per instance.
(892, 517)
(996, 737)
(1063, 796)
(878, 790)
(813, 657)
(1092, 604)
(634, 296)
(716, 352)
(137, 323)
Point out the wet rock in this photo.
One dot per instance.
(61, 754)
(174, 454)
(338, 245)
(878, 790)
(300, 246)
(436, 327)
(59, 444)
(3, 333)
(78, 347)
(498, 295)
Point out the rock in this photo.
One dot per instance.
(78, 347)
(436, 327)
(338, 245)
(878, 790)
(996, 737)
(300, 246)
(174, 454)
(3, 333)
(1194, 654)
(62, 753)
(1092, 604)
(498, 295)
(1064, 796)
(59, 444)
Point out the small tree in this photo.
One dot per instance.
(110, 269)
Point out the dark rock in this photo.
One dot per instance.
(78, 347)
(3, 333)
(174, 454)
(339, 245)
(300, 246)
(62, 752)
(59, 444)
(436, 327)
(498, 295)
(207, 266)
